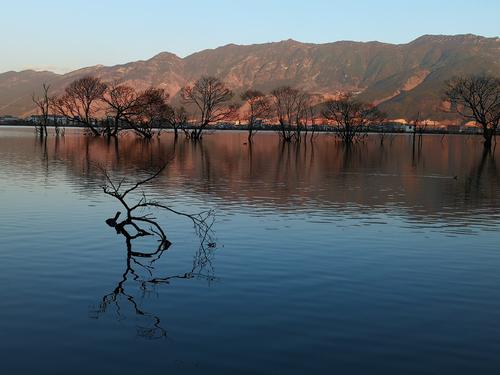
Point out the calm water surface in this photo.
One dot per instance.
(379, 260)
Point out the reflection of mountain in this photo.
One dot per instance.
(314, 176)
(404, 78)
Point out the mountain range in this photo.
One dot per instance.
(402, 79)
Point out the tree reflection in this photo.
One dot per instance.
(140, 264)
(222, 169)
(140, 269)
(474, 181)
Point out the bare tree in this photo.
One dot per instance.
(302, 116)
(43, 106)
(122, 104)
(116, 190)
(477, 98)
(177, 118)
(132, 227)
(419, 127)
(210, 97)
(311, 111)
(80, 102)
(140, 111)
(351, 117)
(290, 108)
(258, 111)
(151, 111)
(284, 106)
(309, 117)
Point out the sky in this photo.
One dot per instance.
(63, 35)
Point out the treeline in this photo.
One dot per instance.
(110, 108)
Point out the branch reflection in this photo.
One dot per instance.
(140, 270)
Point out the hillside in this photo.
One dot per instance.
(402, 79)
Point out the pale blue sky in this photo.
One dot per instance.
(64, 35)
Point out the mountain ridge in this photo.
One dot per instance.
(400, 78)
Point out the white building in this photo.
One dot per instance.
(59, 120)
(409, 128)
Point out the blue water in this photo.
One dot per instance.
(383, 260)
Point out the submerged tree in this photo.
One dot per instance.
(311, 114)
(140, 111)
(80, 102)
(351, 117)
(43, 104)
(122, 104)
(419, 127)
(138, 223)
(290, 108)
(477, 98)
(259, 109)
(177, 118)
(210, 98)
(152, 112)
(304, 114)
(132, 220)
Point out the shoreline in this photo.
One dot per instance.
(273, 128)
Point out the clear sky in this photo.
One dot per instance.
(63, 35)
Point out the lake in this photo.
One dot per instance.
(379, 259)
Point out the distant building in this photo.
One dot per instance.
(59, 120)
(408, 128)
(7, 119)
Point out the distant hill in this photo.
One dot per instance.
(402, 79)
